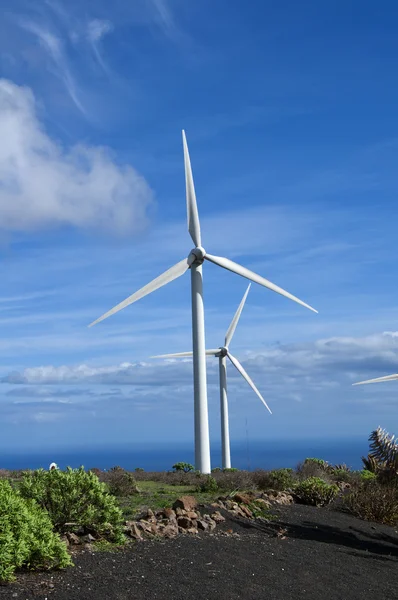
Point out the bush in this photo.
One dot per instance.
(313, 467)
(121, 482)
(26, 536)
(367, 475)
(207, 484)
(183, 466)
(75, 496)
(234, 480)
(315, 492)
(279, 479)
(373, 501)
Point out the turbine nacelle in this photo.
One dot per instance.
(223, 351)
(199, 253)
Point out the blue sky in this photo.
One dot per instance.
(290, 114)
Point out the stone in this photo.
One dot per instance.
(65, 540)
(246, 511)
(244, 498)
(279, 498)
(184, 522)
(169, 513)
(133, 530)
(187, 503)
(73, 538)
(202, 524)
(210, 522)
(180, 512)
(170, 531)
(217, 517)
(192, 514)
(262, 503)
(89, 539)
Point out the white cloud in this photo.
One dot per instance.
(97, 28)
(43, 184)
(322, 364)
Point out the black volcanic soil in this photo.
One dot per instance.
(323, 554)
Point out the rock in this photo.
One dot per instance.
(211, 523)
(187, 503)
(217, 517)
(133, 530)
(202, 524)
(262, 503)
(192, 530)
(246, 511)
(279, 497)
(169, 513)
(170, 531)
(73, 538)
(180, 512)
(65, 540)
(89, 539)
(230, 505)
(192, 514)
(184, 522)
(244, 498)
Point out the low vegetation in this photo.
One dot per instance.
(27, 539)
(74, 499)
(38, 507)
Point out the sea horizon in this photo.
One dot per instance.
(248, 455)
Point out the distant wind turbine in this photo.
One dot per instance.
(378, 379)
(222, 353)
(194, 261)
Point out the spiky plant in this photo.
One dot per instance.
(384, 449)
(370, 463)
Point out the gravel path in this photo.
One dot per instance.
(307, 553)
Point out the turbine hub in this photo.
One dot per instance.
(199, 254)
(223, 351)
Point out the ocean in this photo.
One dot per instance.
(248, 455)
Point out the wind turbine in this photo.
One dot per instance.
(378, 379)
(194, 261)
(222, 353)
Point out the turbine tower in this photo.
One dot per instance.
(194, 261)
(222, 353)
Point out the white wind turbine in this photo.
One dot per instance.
(378, 379)
(222, 353)
(194, 261)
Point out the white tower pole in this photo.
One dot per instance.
(202, 441)
(225, 447)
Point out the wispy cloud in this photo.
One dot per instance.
(53, 45)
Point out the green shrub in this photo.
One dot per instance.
(367, 475)
(279, 479)
(26, 536)
(207, 484)
(317, 461)
(183, 466)
(230, 470)
(121, 482)
(373, 501)
(315, 491)
(216, 470)
(75, 496)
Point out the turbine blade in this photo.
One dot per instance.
(166, 277)
(378, 379)
(185, 354)
(192, 208)
(235, 268)
(241, 370)
(235, 320)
